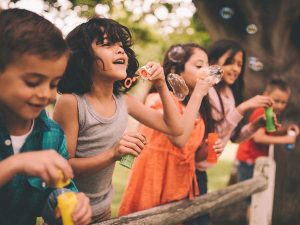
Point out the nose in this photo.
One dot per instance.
(120, 50)
(46, 92)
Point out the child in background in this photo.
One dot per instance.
(93, 112)
(228, 106)
(258, 145)
(249, 150)
(165, 170)
(33, 57)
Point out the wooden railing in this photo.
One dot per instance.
(261, 186)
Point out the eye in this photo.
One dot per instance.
(32, 83)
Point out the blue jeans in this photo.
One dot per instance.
(245, 172)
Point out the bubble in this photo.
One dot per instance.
(213, 74)
(176, 54)
(179, 87)
(254, 64)
(226, 13)
(251, 29)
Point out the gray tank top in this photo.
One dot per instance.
(97, 134)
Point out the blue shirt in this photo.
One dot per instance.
(23, 198)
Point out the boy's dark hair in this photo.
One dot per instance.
(277, 83)
(25, 32)
(77, 77)
(215, 52)
(182, 53)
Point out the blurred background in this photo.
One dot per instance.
(269, 30)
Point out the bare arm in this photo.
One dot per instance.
(66, 114)
(262, 138)
(170, 121)
(43, 164)
(191, 113)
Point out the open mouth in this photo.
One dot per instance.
(119, 62)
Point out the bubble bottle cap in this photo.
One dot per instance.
(61, 183)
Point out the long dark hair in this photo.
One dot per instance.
(215, 52)
(178, 66)
(77, 77)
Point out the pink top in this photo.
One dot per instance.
(226, 125)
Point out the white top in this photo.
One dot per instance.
(18, 141)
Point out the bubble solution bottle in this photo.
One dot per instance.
(270, 126)
(211, 154)
(66, 201)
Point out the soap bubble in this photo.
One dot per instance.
(179, 87)
(254, 64)
(226, 13)
(213, 74)
(176, 54)
(251, 29)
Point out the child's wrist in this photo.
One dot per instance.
(16, 164)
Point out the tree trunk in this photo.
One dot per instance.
(276, 43)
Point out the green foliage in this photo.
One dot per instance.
(149, 42)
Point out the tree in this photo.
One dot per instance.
(273, 38)
(269, 31)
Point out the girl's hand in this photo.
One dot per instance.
(219, 147)
(83, 212)
(131, 143)
(258, 101)
(156, 74)
(202, 86)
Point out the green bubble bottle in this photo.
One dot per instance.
(127, 161)
(270, 126)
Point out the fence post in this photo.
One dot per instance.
(262, 202)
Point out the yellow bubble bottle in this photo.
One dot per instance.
(66, 201)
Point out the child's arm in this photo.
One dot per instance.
(66, 114)
(170, 121)
(43, 164)
(191, 112)
(261, 137)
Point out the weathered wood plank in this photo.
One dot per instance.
(177, 212)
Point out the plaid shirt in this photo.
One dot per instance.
(23, 198)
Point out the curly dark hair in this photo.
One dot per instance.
(77, 77)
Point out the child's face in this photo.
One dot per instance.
(280, 99)
(113, 60)
(29, 85)
(196, 61)
(233, 70)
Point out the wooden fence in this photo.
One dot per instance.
(261, 187)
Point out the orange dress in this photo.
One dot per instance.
(162, 173)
